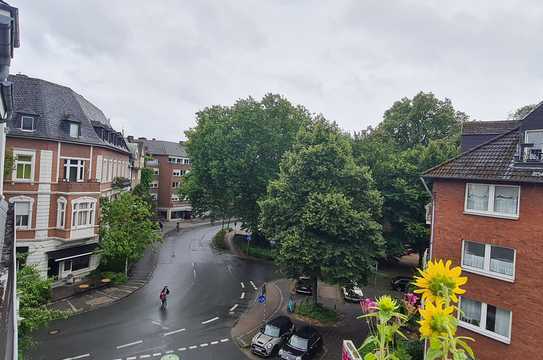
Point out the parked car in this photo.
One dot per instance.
(352, 293)
(402, 284)
(303, 285)
(302, 345)
(272, 336)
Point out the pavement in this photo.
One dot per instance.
(210, 289)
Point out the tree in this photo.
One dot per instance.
(235, 151)
(322, 210)
(142, 189)
(127, 229)
(521, 112)
(34, 293)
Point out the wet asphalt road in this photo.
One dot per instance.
(204, 285)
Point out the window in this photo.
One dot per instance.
(24, 166)
(177, 172)
(492, 200)
(154, 196)
(485, 319)
(154, 185)
(83, 214)
(186, 161)
(27, 123)
(534, 137)
(61, 213)
(77, 263)
(74, 170)
(22, 214)
(156, 171)
(489, 260)
(74, 130)
(176, 184)
(175, 197)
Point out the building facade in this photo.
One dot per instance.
(169, 162)
(487, 218)
(66, 157)
(137, 160)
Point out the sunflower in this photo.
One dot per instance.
(436, 319)
(439, 280)
(387, 304)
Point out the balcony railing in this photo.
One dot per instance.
(75, 186)
(529, 154)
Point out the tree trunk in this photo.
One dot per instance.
(315, 290)
(421, 256)
(222, 223)
(126, 266)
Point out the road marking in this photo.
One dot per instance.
(194, 272)
(204, 345)
(224, 340)
(130, 344)
(214, 342)
(78, 357)
(72, 306)
(193, 347)
(168, 352)
(157, 354)
(242, 295)
(182, 349)
(131, 358)
(233, 307)
(253, 285)
(174, 332)
(210, 320)
(145, 356)
(242, 285)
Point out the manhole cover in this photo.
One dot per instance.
(54, 332)
(170, 357)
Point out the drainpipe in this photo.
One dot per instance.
(433, 216)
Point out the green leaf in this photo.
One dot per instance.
(466, 347)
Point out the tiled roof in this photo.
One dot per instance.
(51, 104)
(160, 147)
(493, 160)
(488, 127)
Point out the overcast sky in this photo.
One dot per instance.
(150, 65)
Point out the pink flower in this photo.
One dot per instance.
(411, 299)
(368, 305)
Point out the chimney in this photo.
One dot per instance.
(142, 138)
(130, 138)
(154, 139)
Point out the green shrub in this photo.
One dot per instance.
(116, 278)
(218, 240)
(317, 312)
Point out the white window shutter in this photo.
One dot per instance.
(99, 168)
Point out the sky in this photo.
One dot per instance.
(151, 65)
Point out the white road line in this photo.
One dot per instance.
(194, 272)
(214, 342)
(242, 295)
(131, 358)
(145, 356)
(253, 285)
(210, 320)
(233, 307)
(204, 345)
(193, 347)
(174, 332)
(156, 323)
(182, 349)
(130, 344)
(73, 309)
(157, 354)
(168, 352)
(242, 285)
(78, 357)
(224, 340)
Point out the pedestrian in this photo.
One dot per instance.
(161, 225)
(178, 226)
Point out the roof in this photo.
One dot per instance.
(488, 127)
(160, 147)
(51, 104)
(71, 252)
(492, 160)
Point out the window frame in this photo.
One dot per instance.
(177, 172)
(32, 164)
(91, 210)
(22, 199)
(80, 174)
(23, 117)
(481, 329)
(527, 150)
(491, 202)
(77, 127)
(61, 214)
(486, 262)
(176, 184)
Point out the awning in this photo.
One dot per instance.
(72, 252)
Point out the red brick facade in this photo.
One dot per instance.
(524, 296)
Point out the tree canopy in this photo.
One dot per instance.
(235, 151)
(521, 112)
(322, 209)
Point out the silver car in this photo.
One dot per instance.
(271, 337)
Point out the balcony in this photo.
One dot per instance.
(151, 163)
(121, 183)
(75, 186)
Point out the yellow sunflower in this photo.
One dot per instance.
(436, 319)
(439, 278)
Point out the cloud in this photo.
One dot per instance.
(151, 65)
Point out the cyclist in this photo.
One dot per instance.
(163, 295)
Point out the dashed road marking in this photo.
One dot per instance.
(253, 285)
(242, 285)
(210, 320)
(242, 295)
(130, 344)
(145, 356)
(168, 352)
(193, 347)
(182, 349)
(234, 307)
(204, 345)
(174, 332)
(214, 342)
(132, 358)
(157, 354)
(224, 340)
(78, 357)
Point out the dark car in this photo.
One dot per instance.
(271, 336)
(402, 284)
(303, 285)
(302, 345)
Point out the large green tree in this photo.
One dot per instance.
(322, 210)
(126, 229)
(235, 151)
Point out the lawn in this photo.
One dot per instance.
(256, 249)
(317, 312)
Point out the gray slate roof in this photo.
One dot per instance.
(493, 160)
(52, 103)
(488, 127)
(160, 147)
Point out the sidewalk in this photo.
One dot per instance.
(139, 275)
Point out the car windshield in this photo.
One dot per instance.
(271, 330)
(298, 343)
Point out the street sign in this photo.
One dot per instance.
(249, 238)
(262, 299)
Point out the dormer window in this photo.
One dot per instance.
(534, 141)
(27, 123)
(74, 130)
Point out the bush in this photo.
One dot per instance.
(258, 249)
(317, 312)
(116, 278)
(218, 240)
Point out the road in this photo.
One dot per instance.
(208, 291)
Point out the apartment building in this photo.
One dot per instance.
(488, 218)
(169, 162)
(137, 160)
(66, 157)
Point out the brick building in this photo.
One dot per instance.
(488, 218)
(169, 162)
(66, 157)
